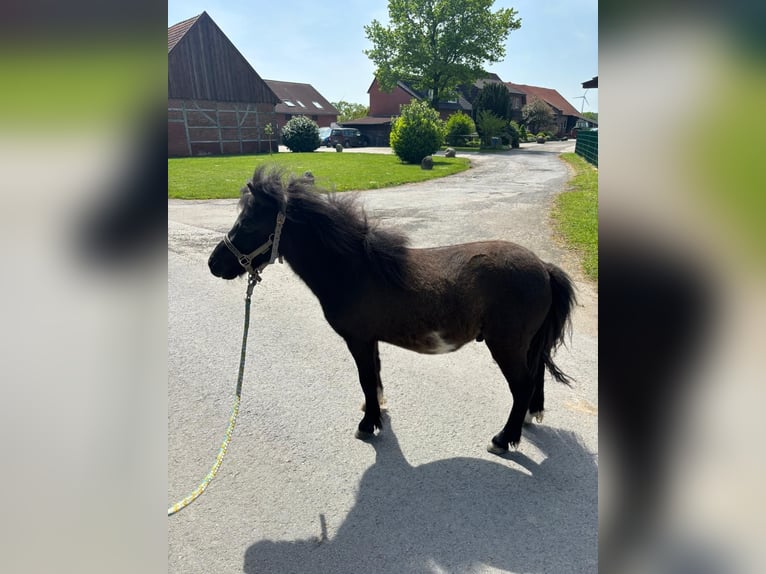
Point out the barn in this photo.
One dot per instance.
(217, 103)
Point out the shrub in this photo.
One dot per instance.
(489, 126)
(523, 135)
(514, 133)
(301, 134)
(417, 132)
(459, 125)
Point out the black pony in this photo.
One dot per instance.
(372, 287)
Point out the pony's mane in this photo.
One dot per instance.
(338, 220)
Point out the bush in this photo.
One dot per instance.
(417, 132)
(514, 133)
(301, 134)
(459, 125)
(489, 126)
(523, 135)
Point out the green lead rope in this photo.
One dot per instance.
(253, 279)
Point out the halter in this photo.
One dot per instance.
(272, 242)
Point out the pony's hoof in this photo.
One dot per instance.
(363, 435)
(537, 417)
(494, 449)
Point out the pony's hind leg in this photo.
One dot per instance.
(365, 353)
(513, 364)
(537, 403)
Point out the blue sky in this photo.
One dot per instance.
(321, 43)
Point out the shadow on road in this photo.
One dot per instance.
(457, 514)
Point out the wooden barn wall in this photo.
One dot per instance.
(204, 127)
(205, 65)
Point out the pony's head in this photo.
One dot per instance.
(248, 245)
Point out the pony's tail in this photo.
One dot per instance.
(557, 324)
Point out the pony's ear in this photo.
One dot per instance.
(261, 195)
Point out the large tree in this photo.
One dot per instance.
(538, 116)
(437, 45)
(494, 97)
(349, 111)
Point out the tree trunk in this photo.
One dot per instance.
(435, 97)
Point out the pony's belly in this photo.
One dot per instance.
(432, 343)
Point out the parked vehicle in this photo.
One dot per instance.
(347, 137)
(324, 136)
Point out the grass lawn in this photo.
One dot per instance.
(218, 177)
(576, 213)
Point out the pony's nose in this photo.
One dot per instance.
(213, 261)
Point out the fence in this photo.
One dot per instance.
(587, 146)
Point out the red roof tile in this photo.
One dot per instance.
(178, 31)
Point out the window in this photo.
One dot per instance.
(288, 103)
(317, 105)
(300, 103)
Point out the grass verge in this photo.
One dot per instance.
(576, 213)
(218, 177)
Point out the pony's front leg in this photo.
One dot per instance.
(366, 363)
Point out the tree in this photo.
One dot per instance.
(437, 45)
(592, 116)
(538, 116)
(348, 111)
(495, 98)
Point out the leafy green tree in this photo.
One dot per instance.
(495, 98)
(593, 116)
(437, 45)
(348, 111)
(538, 116)
(459, 125)
(417, 132)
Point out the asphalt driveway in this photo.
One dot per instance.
(297, 492)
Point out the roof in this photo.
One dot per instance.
(548, 95)
(303, 97)
(368, 121)
(461, 104)
(591, 83)
(178, 31)
(204, 64)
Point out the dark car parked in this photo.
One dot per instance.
(347, 137)
(324, 136)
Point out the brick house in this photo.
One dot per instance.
(217, 103)
(386, 105)
(566, 116)
(302, 100)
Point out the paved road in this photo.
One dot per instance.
(297, 492)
